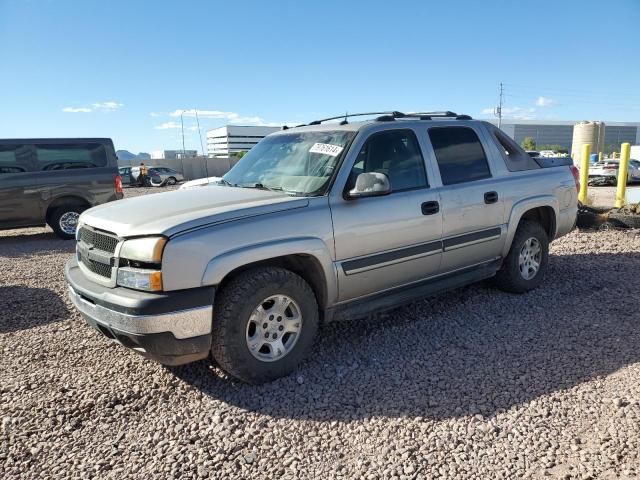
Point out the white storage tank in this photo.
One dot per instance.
(587, 132)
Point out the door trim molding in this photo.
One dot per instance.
(378, 260)
(405, 254)
(466, 239)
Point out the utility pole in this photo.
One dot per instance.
(183, 150)
(498, 110)
(182, 125)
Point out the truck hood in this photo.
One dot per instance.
(173, 212)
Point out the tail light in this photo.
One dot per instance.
(576, 176)
(118, 181)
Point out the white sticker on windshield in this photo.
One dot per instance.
(326, 148)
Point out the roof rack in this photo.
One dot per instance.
(347, 115)
(392, 116)
(430, 115)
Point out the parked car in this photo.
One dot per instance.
(201, 182)
(533, 153)
(161, 176)
(52, 180)
(319, 223)
(548, 153)
(125, 175)
(152, 176)
(607, 171)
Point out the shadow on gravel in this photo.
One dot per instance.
(472, 351)
(25, 245)
(25, 307)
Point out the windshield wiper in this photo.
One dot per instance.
(260, 186)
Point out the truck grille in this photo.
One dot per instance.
(99, 268)
(99, 240)
(91, 242)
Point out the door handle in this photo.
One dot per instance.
(430, 208)
(490, 197)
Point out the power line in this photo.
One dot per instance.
(570, 91)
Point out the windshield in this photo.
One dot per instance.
(297, 163)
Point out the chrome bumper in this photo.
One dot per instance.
(182, 324)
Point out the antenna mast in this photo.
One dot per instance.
(498, 109)
(206, 157)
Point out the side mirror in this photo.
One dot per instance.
(370, 184)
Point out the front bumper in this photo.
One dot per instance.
(172, 328)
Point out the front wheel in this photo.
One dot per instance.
(265, 320)
(526, 263)
(171, 181)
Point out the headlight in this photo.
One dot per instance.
(140, 279)
(140, 263)
(147, 250)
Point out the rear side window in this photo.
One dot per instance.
(67, 156)
(515, 158)
(14, 159)
(459, 154)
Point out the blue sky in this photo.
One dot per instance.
(122, 69)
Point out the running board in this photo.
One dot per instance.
(397, 297)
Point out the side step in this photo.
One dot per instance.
(388, 300)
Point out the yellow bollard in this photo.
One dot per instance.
(599, 156)
(584, 173)
(621, 192)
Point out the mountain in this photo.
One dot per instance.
(126, 155)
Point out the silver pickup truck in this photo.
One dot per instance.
(317, 223)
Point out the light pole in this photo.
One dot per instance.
(183, 150)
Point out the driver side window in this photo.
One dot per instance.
(396, 153)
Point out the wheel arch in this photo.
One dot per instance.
(308, 258)
(64, 201)
(542, 209)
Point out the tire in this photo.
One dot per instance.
(237, 322)
(171, 181)
(510, 277)
(62, 219)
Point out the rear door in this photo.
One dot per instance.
(472, 198)
(388, 241)
(19, 202)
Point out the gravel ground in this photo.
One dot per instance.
(474, 383)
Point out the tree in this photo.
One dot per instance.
(611, 148)
(239, 154)
(529, 143)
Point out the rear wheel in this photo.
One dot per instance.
(526, 263)
(265, 320)
(64, 220)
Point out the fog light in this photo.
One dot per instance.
(140, 279)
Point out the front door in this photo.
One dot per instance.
(388, 241)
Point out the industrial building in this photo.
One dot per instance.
(173, 154)
(230, 139)
(549, 132)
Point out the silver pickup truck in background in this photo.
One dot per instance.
(317, 223)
